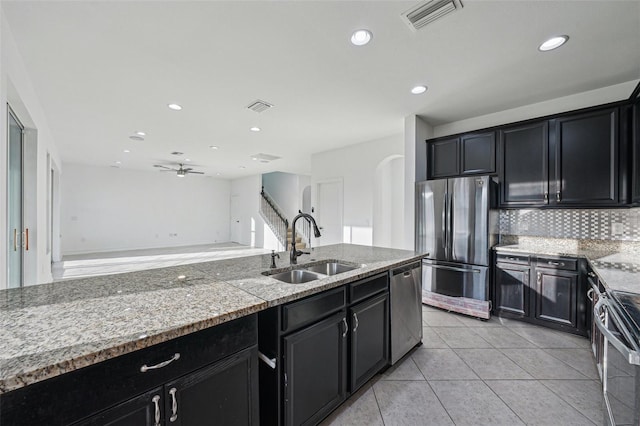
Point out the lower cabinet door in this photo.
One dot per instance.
(556, 297)
(369, 339)
(225, 393)
(143, 410)
(315, 361)
(512, 289)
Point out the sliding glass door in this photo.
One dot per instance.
(15, 201)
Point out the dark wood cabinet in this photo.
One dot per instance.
(635, 157)
(556, 293)
(119, 391)
(478, 153)
(512, 289)
(524, 167)
(315, 370)
(444, 158)
(369, 339)
(320, 349)
(469, 154)
(223, 393)
(546, 291)
(585, 159)
(143, 410)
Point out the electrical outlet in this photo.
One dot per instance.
(617, 228)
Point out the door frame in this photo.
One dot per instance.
(11, 114)
(316, 201)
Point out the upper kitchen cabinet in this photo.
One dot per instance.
(469, 154)
(524, 166)
(443, 158)
(585, 159)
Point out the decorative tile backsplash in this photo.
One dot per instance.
(596, 224)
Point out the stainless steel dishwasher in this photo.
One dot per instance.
(406, 309)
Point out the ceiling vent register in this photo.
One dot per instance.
(259, 106)
(427, 12)
(264, 158)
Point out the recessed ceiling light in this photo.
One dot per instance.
(255, 129)
(187, 159)
(553, 43)
(418, 90)
(141, 134)
(361, 37)
(118, 162)
(218, 174)
(175, 107)
(213, 147)
(254, 158)
(127, 151)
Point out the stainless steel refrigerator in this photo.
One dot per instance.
(456, 225)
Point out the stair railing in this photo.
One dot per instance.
(274, 217)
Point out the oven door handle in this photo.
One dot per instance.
(633, 357)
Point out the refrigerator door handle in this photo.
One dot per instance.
(453, 246)
(444, 222)
(451, 268)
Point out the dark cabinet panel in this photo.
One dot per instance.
(444, 158)
(524, 174)
(586, 159)
(478, 153)
(369, 339)
(556, 293)
(635, 149)
(144, 410)
(224, 393)
(512, 289)
(315, 362)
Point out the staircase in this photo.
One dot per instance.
(279, 225)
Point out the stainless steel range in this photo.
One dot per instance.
(617, 316)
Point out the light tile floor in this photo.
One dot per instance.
(94, 264)
(473, 372)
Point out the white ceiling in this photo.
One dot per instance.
(103, 70)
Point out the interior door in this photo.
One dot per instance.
(330, 211)
(15, 202)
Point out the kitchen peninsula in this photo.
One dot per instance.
(200, 313)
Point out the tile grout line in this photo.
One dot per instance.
(377, 403)
(566, 401)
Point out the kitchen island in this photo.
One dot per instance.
(59, 328)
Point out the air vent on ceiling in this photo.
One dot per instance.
(429, 11)
(177, 153)
(264, 158)
(259, 106)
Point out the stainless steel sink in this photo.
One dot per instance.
(331, 268)
(297, 276)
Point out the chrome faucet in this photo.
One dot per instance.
(293, 257)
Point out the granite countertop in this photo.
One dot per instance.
(616, 263)
(51, 329)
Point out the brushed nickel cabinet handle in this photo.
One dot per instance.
(146, 367)
(26, 239)
(355, 319)
(156, 400)
(555, 263)
(590, 294)
(346, 328)
(174, 405)
(558, 196)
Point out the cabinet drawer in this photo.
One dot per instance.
(555, 263)
(521, 259)
(92, 389)
(360, 290)
(311, 309)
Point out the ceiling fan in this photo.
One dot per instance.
(181, 171)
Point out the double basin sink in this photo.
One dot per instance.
(312, 272)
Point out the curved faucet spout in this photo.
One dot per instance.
(316, 232)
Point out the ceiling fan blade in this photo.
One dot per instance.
(194, 173)
(168, 170)
(162, 167)
(188, 169)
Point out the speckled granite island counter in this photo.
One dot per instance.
(617, 263)
(52, 329)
